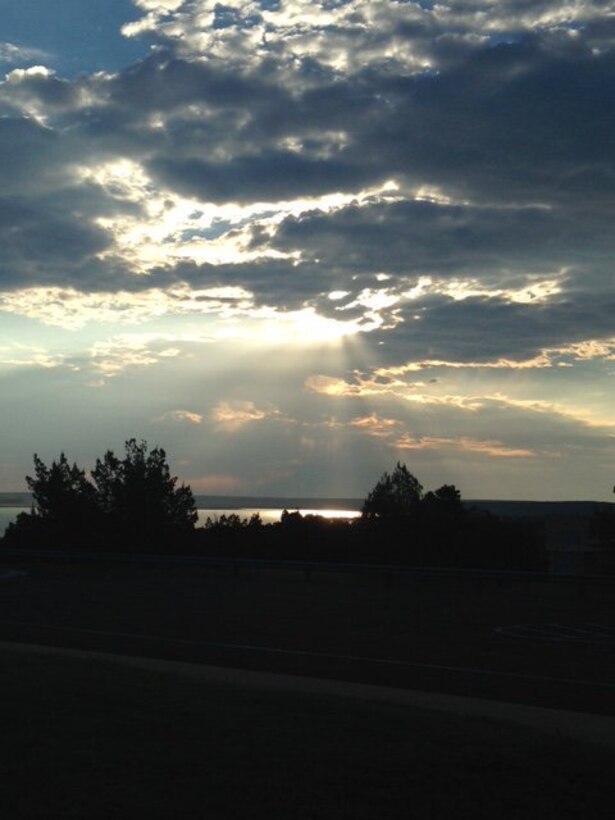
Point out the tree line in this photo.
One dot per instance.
(133, 504)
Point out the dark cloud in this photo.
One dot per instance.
(522, 121)
(276, 282)
(29, 156)
(487, 329)
(48, 90)
(271, 176)
(47, 218)
(449, 240)
(165, 83)
(512, 121)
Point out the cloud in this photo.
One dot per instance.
(182, 416)
(183, 136)
(376, 426)
(20, 355)
(493, 449)
(365, 386)
(216, 484)
(113, 356)
(424, 420)
(412, 236)
(73, 309)
(393, 386)
(231, 416)
(331, 386)
(12, 54)
(601, 350)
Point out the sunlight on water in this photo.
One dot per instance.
(269, 515)
(333, 513)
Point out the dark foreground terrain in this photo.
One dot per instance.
(526, 641)
(93, 738)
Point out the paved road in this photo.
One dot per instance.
(439, 635)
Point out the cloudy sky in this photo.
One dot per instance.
(295, 241)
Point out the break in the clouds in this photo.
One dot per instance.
(295, 241)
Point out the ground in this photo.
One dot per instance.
(95, 737)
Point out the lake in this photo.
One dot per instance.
(268, 514)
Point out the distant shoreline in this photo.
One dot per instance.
(15, 500)
(230, 502)
(504, 507)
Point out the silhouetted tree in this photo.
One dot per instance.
(140, 499)
(58, 490)
(395, 497)
(132, 503)
(291, 519)
(444, 503)
(232, 521)
(65, 507)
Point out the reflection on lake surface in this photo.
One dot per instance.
(269, 515)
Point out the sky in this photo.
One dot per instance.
(296, 241)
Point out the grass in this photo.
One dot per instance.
(91, 738)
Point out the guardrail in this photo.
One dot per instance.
(308, 567)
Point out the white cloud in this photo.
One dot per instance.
(18, 75)
(231, 416)
(492, 449)
(113, 356)
(72, 309)
(13, 54)
(20, 355)
(346, 37)
(182, 416)
(376, 426)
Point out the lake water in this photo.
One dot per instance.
(8, 514)
(269, 515)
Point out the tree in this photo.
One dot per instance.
(140, 499)
(232, 522)
(133, 503)
(444, 521)
(59, 490)
(445, 502)
(64, 502)
(395, 497)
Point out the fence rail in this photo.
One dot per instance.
(237, 564)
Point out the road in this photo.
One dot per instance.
(535, 643)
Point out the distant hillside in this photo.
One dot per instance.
(15, 499)
(236, 502)
(540, 509)
(231, 502)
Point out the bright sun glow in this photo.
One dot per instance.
(299, 328)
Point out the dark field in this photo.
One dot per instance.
(463, 636)
(93, 738)
(89, 737)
